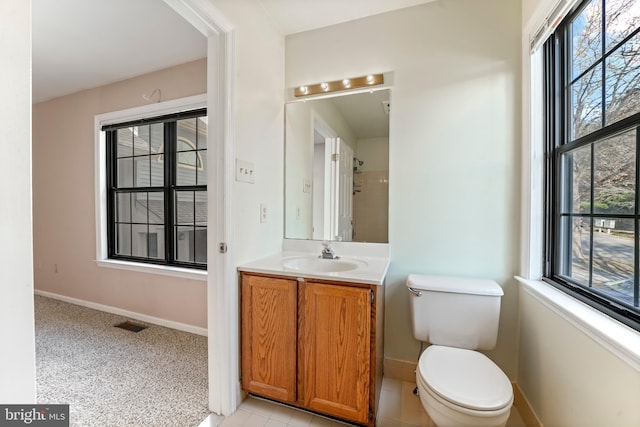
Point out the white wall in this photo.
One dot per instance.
(259, 127)
(569, 379)
(454, 143)
(17, 357)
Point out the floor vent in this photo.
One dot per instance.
(130, 326)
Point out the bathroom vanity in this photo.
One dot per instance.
(312, 337)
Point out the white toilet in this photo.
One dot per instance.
(459, 386)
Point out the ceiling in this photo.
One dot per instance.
(82, 44)
(294, 16)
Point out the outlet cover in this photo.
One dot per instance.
(264, 213)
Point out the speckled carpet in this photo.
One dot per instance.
(112, 377)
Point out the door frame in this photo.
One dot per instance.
(222, 322)
(318, 124)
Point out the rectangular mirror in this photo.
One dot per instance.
(337, 168)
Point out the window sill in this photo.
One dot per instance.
(184, 273)
(621, 340)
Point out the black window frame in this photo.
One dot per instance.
(557, 141)
(169, 188)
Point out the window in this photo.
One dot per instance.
(592, 122)
(157, 190)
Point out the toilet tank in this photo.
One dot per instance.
(455, 312)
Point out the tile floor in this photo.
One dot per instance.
(398, 408)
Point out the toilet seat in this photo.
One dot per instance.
(465, 379)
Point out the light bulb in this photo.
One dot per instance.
(304, 89)
(346, 83)
(324, 86)
(370, 79)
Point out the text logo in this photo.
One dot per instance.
(34, 415)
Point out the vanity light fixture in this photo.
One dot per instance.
(337, 85)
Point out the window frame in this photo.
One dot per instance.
(169, 188)
(557, 142)
(131, 114)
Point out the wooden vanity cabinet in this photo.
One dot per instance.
(313, 344)
(269, 328)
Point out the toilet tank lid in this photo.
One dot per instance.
(459, 285)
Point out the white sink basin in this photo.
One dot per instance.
(321, 265)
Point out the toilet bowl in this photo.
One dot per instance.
(463, 388)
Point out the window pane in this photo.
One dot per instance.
(201, 171)
(622, 93)
(201, 208)
(125, 142)
(156, 241)
(123, 239)
(125, 173)
(186, 168)
(586, 38)
(202, 133)
(623, 17)
(139, 242)
(156, 207)
(184, 241)
(157, 171)
(123, 207)
(157, 138)
(576, 173)
(185, 209)
(615, 174)
(575, 248)
(201, 245)
(143, 171)
(139, 211)
(188, 159)
(613, 258)
(141, 140)
(186, 134)
(586, 103)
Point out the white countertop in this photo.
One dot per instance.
(372, 273)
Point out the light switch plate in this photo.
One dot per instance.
(245, 171)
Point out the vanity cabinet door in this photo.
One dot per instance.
(269, 333)
(335, 350)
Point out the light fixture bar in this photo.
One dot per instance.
(337, 85)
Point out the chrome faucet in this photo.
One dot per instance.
(327, 252)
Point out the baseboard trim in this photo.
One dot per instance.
(524, 408)
(399, 369)
(125, 313)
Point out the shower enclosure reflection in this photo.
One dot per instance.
(337, 168)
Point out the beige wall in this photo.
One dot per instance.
(64, 202)
(17, 357)
(569, 379)
(453, 146)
